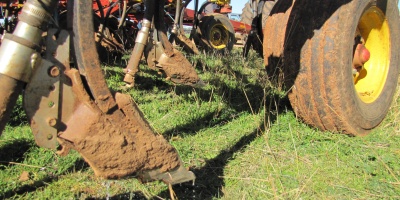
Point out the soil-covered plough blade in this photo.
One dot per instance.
(120, 143)
(73, 108)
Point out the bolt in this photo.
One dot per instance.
(34, 58)
(54, 71)
(51, 104)
(52, 122)
(50, 136)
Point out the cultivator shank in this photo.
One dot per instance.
(71, 107)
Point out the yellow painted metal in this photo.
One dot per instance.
(374, 29)
(221, 2)
(219, 36)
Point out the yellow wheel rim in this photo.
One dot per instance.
(219, 36)
(374, 30)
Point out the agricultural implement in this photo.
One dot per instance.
(69, 105)
(212, 30)
(342, 75)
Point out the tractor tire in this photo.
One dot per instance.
(216, 33)
(317, 51)
(266, 10)
(247, 14)
(257, 20)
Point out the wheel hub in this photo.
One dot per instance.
(371, 55)
(219, 36)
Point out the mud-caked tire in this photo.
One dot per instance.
(215, 33)
(317, 54)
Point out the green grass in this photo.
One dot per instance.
(237, 134)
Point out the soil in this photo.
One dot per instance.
(24, 176)
(179, 69)
(116, 147)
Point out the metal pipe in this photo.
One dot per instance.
(141, 40)
(122, 20)
(18, 51)
(202, 7)
(176, 21)
(195, 20)
(125, 13)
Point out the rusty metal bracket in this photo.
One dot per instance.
(42, 94)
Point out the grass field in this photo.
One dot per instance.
(239, 136)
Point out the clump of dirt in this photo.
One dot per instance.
(179, 69)
(116, 147)
(25, 176)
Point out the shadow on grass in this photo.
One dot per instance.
(209, 179)
(79, 165)
(14, 152)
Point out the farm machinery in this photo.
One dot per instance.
(118, 22)
(341, 74)
(56, 67)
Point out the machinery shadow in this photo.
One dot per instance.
(209, 178)
(14, 152)
(79, 165)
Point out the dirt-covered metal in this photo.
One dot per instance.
(71, 107)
